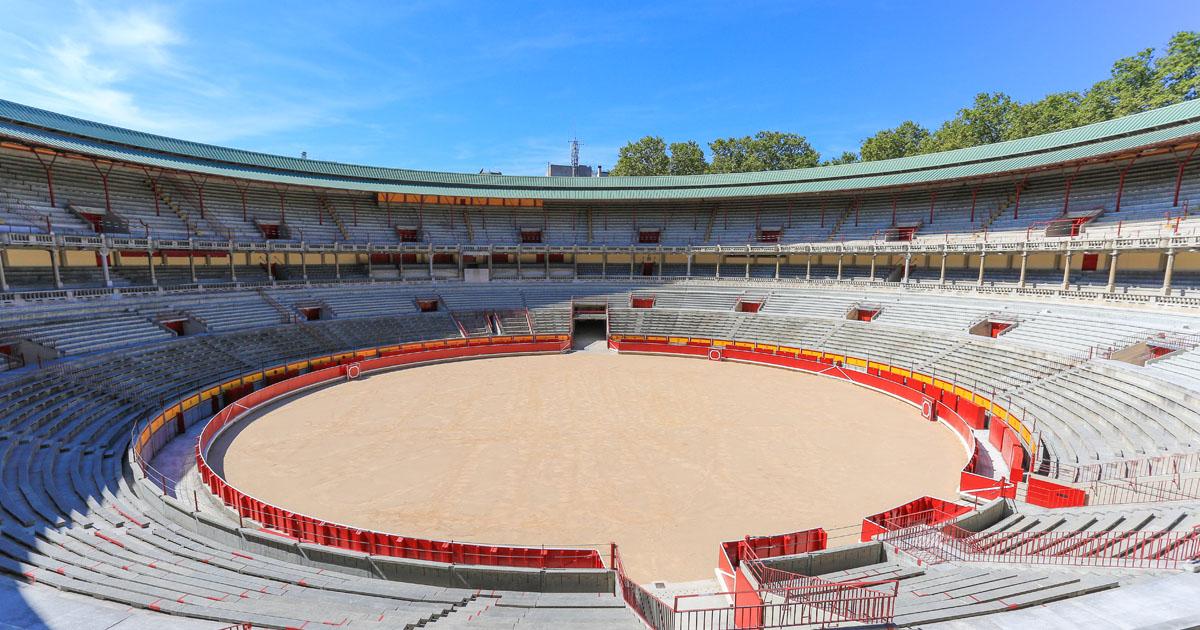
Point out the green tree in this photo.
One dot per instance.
(764, 151)
(687, 158)
(647, 156)
(1179, 70)
(902, 141)
(1055, 112)
(985, 122)
(847, 157)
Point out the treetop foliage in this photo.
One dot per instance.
(1137, 83)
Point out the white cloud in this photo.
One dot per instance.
(128, 66)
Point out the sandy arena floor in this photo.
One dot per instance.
(666, 456)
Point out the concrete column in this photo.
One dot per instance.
(1112, 271)
(400, 266)
(689, 265)
(1024, 266)
(304, 263)
(575, 261)
(662, 263)
(778, 260)
(873, 257)
(103, 266)
(839, 276)
(546, 259)
(1066, 279)
(748, 259)
(371, 265)
(54, 264)
(1168, 272)
(462, 266)
(149, 261)
(430, 263)
(518, 263)
(270, 267)
(337, 266)
(232, 267)
(808, 268)
(942, 273)
(191, 261)
(907, 267)
(632, 260)
(3, 264)
(718, 266)
(982, 265)
(489, 255)
(604, 263)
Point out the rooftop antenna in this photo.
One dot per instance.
(575, 144)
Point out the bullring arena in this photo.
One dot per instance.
(650, 451)
(954, 390)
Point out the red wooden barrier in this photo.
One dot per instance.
(1052, 495)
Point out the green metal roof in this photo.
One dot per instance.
(37, 126)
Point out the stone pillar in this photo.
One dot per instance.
(604, 263)
(1168, 272)
(518, 263)
(3, 264)
(873, 257)
(304, 263)
(546, 260)
(1112, 271)
(54, 264)
(430, 263)
(839, 276)
(778, 260)
(103, 266)
(191, 260)
(632, 260)
(1066, 279)
(232, 267)
(982, 266)
(748, 259)
(718, 266)
(371, 265)
(907, 266)
(689, 265)
(575, 261)
(149, 261)
(808, 267)
(1024, 266)
(337, 265)
(942, 273)
(662, 263)
(489, 255)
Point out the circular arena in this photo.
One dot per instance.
(243, 390)
(586, 447)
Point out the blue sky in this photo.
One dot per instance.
(461, 86)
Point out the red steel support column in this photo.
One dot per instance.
(200, 193)
(48, 167)
(104, 182)
(1179, 176)
(153, 189)
(1121, 182)
(1017, 207)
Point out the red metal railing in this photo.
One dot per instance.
(1124, 549)
(784, 600)
(828, 601)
